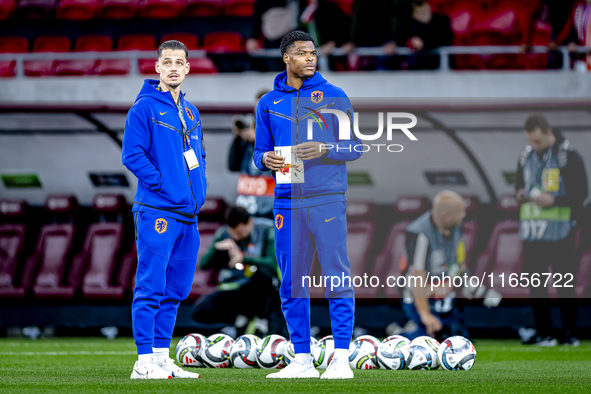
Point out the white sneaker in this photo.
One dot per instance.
(149, 370)
(338, 369)
(296, 370)
(169, 366)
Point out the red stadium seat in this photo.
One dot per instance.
(391, 261)
(503, 253)
(583, 276)
(54, 280)
(119, 9)
(202, 65)
(223, 42)
(12, 237)
(213, 209)
(11, 44)
(7, 8)
(99, 43)
(160, 9)
(14, 280)
(411, 207)
(46, 44)
(142, 42)
(241, 8)
(203, 8)
(100, 252)
(190, 40)
(35, 9)
(76, 10)
(204, 282)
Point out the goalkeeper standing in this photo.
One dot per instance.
(309, 215)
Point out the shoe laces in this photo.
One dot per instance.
(333, 363)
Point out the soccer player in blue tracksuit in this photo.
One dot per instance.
(163, 147)
(309, 215)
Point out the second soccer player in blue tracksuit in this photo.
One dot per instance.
(311, 215)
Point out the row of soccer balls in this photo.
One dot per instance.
(366, 352)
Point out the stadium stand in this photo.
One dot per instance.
(51, 43)
(97, 43)
(101, 250)
(56, 278)
(13, 284)
(118, 9)
(203, 8)
(77, 10)
(11, 44)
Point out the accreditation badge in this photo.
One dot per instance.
(191, 159)
(551, 179)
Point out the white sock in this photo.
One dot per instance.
(341, 354)
(304, 358)
(160, 354)
(144, 358)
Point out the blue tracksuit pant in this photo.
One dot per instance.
(167, 258)
(298, 232)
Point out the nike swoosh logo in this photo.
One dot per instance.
(162, 113)
(328, 220)
(277, 102)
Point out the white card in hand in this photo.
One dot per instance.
(191, 159)
(293, 169)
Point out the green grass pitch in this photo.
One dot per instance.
(96, 365)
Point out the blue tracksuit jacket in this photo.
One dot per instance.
(282, 118)
(153, 145)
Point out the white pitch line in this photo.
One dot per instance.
(128, 353)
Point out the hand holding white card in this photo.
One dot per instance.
(293, 169)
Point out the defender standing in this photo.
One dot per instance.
(163, 147)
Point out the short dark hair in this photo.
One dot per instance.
(535, 121)
(174, 45)
(290, 38)
(236, 215)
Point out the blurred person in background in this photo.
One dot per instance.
(551, 185)
(424, 31)
(377, 24)
(577, 31)
(255, 187)
(435, 246)
(271, 21)
(330, 25)
(243, 250)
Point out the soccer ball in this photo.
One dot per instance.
(189, 349)
(423, 353)
(456, 353)
(393, 352)
(216, 353)
(362, 352)
(323, 352)
(289, 354)
(270, 352)
(244, 352)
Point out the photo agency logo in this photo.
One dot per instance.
(392, 120)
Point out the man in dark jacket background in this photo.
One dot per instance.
(551, 185)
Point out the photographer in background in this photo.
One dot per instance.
(255, 188)
(243, 250)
